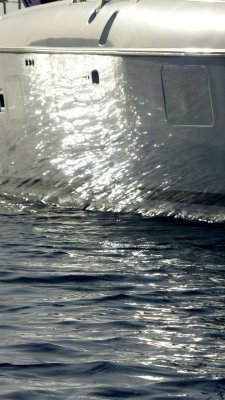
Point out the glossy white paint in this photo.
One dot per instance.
(88, 123)
(148, 25)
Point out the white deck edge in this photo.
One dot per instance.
(115, 51)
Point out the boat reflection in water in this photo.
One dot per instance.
(114, 105)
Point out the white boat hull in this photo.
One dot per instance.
(94, 129)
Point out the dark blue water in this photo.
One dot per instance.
(110, 306)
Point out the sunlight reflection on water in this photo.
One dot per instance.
(101, 305)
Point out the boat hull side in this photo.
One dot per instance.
(96, 130)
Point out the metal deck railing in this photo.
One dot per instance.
(10, 5)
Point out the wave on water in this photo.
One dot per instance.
(209, 214)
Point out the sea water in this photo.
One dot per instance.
(97, 305)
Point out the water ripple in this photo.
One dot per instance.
(102, 305)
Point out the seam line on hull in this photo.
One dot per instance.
(116, 51)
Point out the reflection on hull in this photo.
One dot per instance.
(103, 132)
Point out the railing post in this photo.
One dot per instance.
(4, 6)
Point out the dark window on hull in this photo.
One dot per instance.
(2, 102)
(187, 95)
(95, 77)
